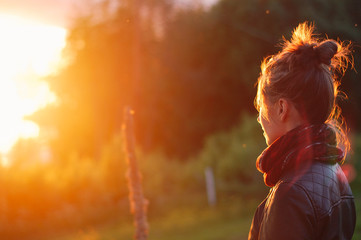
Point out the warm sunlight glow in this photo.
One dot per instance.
(28, 52)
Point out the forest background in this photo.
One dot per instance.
(189, 74)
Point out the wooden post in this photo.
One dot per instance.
(138, 204)
(136, 50)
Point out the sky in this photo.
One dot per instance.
(32, 37)
(53, 12)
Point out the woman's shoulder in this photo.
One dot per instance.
(319, 178)
(323, 184)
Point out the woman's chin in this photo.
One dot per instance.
(267, 139)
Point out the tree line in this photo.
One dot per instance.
(186, 71)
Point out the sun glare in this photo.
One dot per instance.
(28, 52)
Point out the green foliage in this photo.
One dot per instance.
(233, 155)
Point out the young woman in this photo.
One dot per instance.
(310, 197)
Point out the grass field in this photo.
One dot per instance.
(228, 221)
(190, 228)
(211, 230)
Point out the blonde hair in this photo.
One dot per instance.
(305, 72)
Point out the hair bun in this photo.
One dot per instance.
(326, 50)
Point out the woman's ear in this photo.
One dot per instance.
(283, 108)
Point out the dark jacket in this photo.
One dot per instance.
(316, 203)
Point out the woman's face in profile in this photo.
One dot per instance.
(272, 128)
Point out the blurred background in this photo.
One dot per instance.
(188, 69)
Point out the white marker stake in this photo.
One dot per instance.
(211, 189)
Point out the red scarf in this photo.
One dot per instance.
(298, 148)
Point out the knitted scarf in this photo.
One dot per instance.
(299, 148)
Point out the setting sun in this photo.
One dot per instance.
(28, 52)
